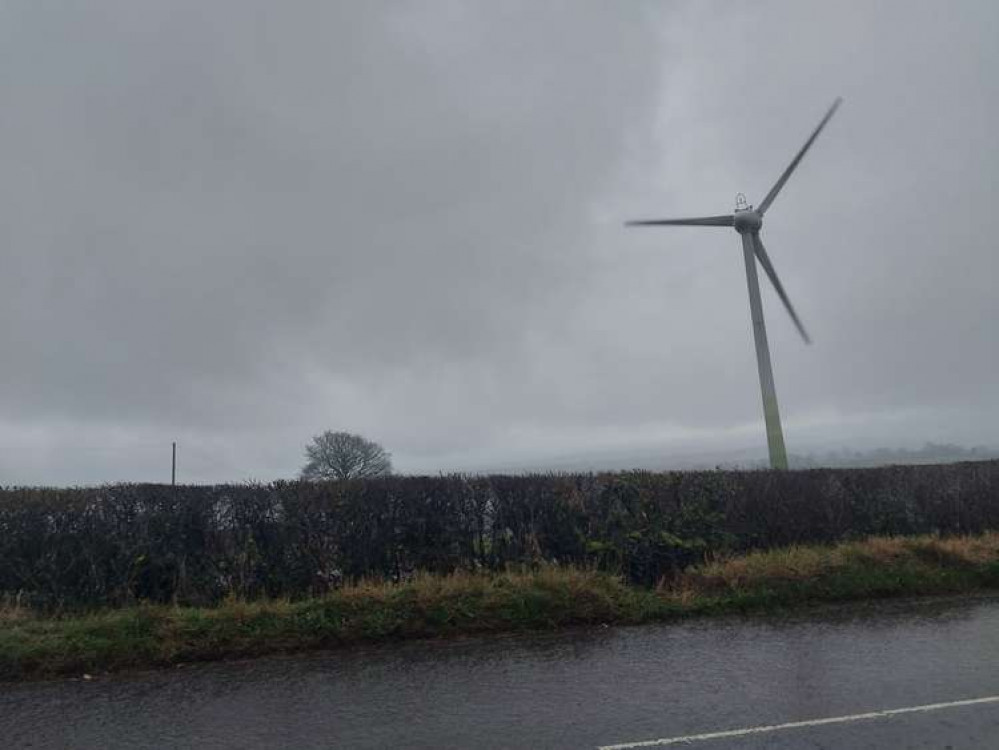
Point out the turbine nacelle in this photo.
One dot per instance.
(747, 221)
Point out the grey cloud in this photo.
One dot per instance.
(239, 224)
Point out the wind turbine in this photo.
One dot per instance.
(748, 221)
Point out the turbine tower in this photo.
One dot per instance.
(748, 222)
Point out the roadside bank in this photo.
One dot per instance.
(35, 646)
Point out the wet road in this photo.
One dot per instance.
(581, 689)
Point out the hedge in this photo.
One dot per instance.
(118, 544)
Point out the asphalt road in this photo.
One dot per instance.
(580, 689)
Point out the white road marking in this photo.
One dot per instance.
(687, 739)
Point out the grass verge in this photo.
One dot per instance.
(33, 646)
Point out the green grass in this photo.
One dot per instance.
(33, 646)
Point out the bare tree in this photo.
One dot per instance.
(342, 455)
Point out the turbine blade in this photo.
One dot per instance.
(703, 221)
(794, 163)
(761, 255)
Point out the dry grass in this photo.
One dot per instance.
(810, 563)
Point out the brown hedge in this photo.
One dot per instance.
(122, 543)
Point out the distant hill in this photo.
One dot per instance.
(652, 460)
(930, 453)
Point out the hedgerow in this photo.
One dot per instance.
(124, 543)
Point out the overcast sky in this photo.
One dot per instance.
(238, 224)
